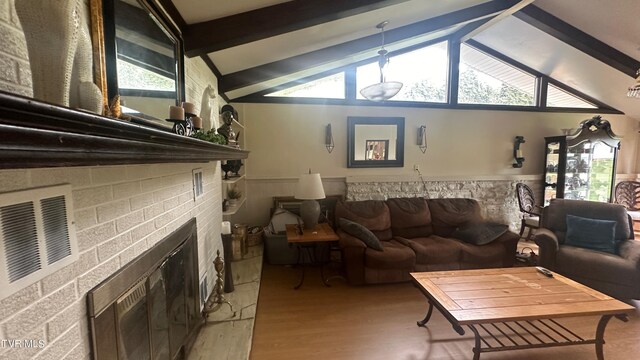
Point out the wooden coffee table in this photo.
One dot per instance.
(516, 308)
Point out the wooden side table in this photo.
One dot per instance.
(307, 240)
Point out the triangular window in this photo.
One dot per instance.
(329, 87)
(487, 80)
(557, 97)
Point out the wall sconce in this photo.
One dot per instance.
(517, 153)
(328, 139)
(422, 138)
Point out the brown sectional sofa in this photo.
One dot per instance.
(415, 234)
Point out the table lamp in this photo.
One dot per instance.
(309, 189)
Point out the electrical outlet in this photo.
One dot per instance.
(416, 167)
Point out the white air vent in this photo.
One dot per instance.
(36, 236)
(198, 190)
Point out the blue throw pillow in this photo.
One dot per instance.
(356, 230)
(591, 234)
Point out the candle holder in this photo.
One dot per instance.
(517, 153)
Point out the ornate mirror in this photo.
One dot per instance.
(144, 58)
(375, 142)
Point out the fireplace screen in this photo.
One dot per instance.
(149, 310)
(133, 324)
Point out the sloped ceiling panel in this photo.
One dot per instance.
(550, 56)
(321, 36)
(612, 22)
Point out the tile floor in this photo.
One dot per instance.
(226, 336)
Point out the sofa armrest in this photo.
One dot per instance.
(630, 250)
(547, 241)
(352, 257)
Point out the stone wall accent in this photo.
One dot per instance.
(497, 198)
(119, 212)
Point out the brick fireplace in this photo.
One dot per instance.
(119, 213)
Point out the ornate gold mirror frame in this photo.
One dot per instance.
(99, 60)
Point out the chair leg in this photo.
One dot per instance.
(530, 233)
(522, 226)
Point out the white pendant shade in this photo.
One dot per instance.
(634, 91)
(381, 91)
(309, 187)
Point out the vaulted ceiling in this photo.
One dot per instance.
(253, 45)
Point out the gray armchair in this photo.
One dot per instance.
(617, 275)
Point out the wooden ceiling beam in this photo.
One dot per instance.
(301, 62)
(214, 35)
(580, 40)
(508, 12)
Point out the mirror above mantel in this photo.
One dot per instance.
(144, 58)
(39, 132)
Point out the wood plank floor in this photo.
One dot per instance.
(379, 322)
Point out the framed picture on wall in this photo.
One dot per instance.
(377, 150)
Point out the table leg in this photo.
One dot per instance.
(476, 348)
(324, 281)
(602, 324)
(424, 321)
(302, 264)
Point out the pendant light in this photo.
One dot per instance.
(383, 90)
(634, 91)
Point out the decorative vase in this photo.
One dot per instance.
(60, 52)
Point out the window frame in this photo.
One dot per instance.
(542, 82)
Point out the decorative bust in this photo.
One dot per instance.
(228, 115)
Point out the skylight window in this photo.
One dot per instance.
(487, 80)
(557, 97)
(330, 87)
(423, 73)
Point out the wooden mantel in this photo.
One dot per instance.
(37, 134)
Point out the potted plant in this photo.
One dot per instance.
(210, 136)
(234, 195)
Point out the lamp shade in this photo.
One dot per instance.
(381, 91)
(309, 187)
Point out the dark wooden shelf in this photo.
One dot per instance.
(37, 134)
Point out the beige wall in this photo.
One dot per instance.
(286, 140)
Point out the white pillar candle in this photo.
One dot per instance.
(189, 108)
(176, 113)
(226, 228)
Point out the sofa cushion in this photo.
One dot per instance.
(480, 233)
(449, 214)
(361, 232)
(372, 214)
(394, 255)
(410, 217)
(591, 234)
(435, 250)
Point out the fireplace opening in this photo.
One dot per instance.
(149, 309)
